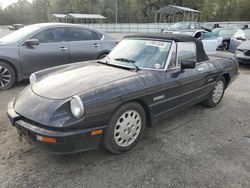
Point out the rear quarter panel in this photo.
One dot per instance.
(223, 66)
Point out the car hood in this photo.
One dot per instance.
(66, 81)
(245, 45)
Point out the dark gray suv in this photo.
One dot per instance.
(41, 46)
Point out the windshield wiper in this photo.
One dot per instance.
(128, 61)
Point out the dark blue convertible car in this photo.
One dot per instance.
(77, 107)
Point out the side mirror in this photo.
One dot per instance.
(188, 64)
(32, 42)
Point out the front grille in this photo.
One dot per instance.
(247, 53)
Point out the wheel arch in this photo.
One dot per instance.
(227, 78)
(102, 53)
(147, 111)
(144, 106)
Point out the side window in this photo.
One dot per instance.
(185, 51)
(77, 34)
(51, 35)
(98, 36)
(209, 36)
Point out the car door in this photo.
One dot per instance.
(236, 40)
(52, 50)
(210, 42)
(83, 45)
(183, 87)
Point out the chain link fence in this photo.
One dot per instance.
(155, 27)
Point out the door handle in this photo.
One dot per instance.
(63, 48)
(96, 45)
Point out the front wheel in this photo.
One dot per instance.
(125, 128)
(217, 92)
(7, 76)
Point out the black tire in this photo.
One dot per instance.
(10, 75)
(225, 47)
(210, 102)
(228, 43)
(109, 140)
(102, 56)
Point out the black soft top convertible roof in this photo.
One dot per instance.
(201, 54)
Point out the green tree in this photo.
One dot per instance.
(128, 10)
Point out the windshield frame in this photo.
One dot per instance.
(151, 69)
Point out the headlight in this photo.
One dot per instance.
(76, 107)
(32, 78)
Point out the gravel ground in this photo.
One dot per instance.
(199, 147)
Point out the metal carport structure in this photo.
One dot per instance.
(78, 18)
(84, 18)
(59, 17)
(173, 13)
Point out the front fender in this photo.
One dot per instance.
(10, 55)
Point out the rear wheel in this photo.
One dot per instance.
(7, 76)
(125, 128)
(216, 94)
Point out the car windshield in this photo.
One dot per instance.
(140, 54)
(19, 34)
(180, 26)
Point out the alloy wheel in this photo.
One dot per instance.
(218, 91)
(5, 76)
(127, 128)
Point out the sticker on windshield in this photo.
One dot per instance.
(158, 44)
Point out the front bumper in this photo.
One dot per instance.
(242, 58)
(66, 141)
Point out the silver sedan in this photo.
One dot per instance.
(41, 46)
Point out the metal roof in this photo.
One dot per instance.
(59, 15)
(86, 16)
(173, 9)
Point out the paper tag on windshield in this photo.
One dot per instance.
(158, 44)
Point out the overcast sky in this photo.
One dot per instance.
(6, 3)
